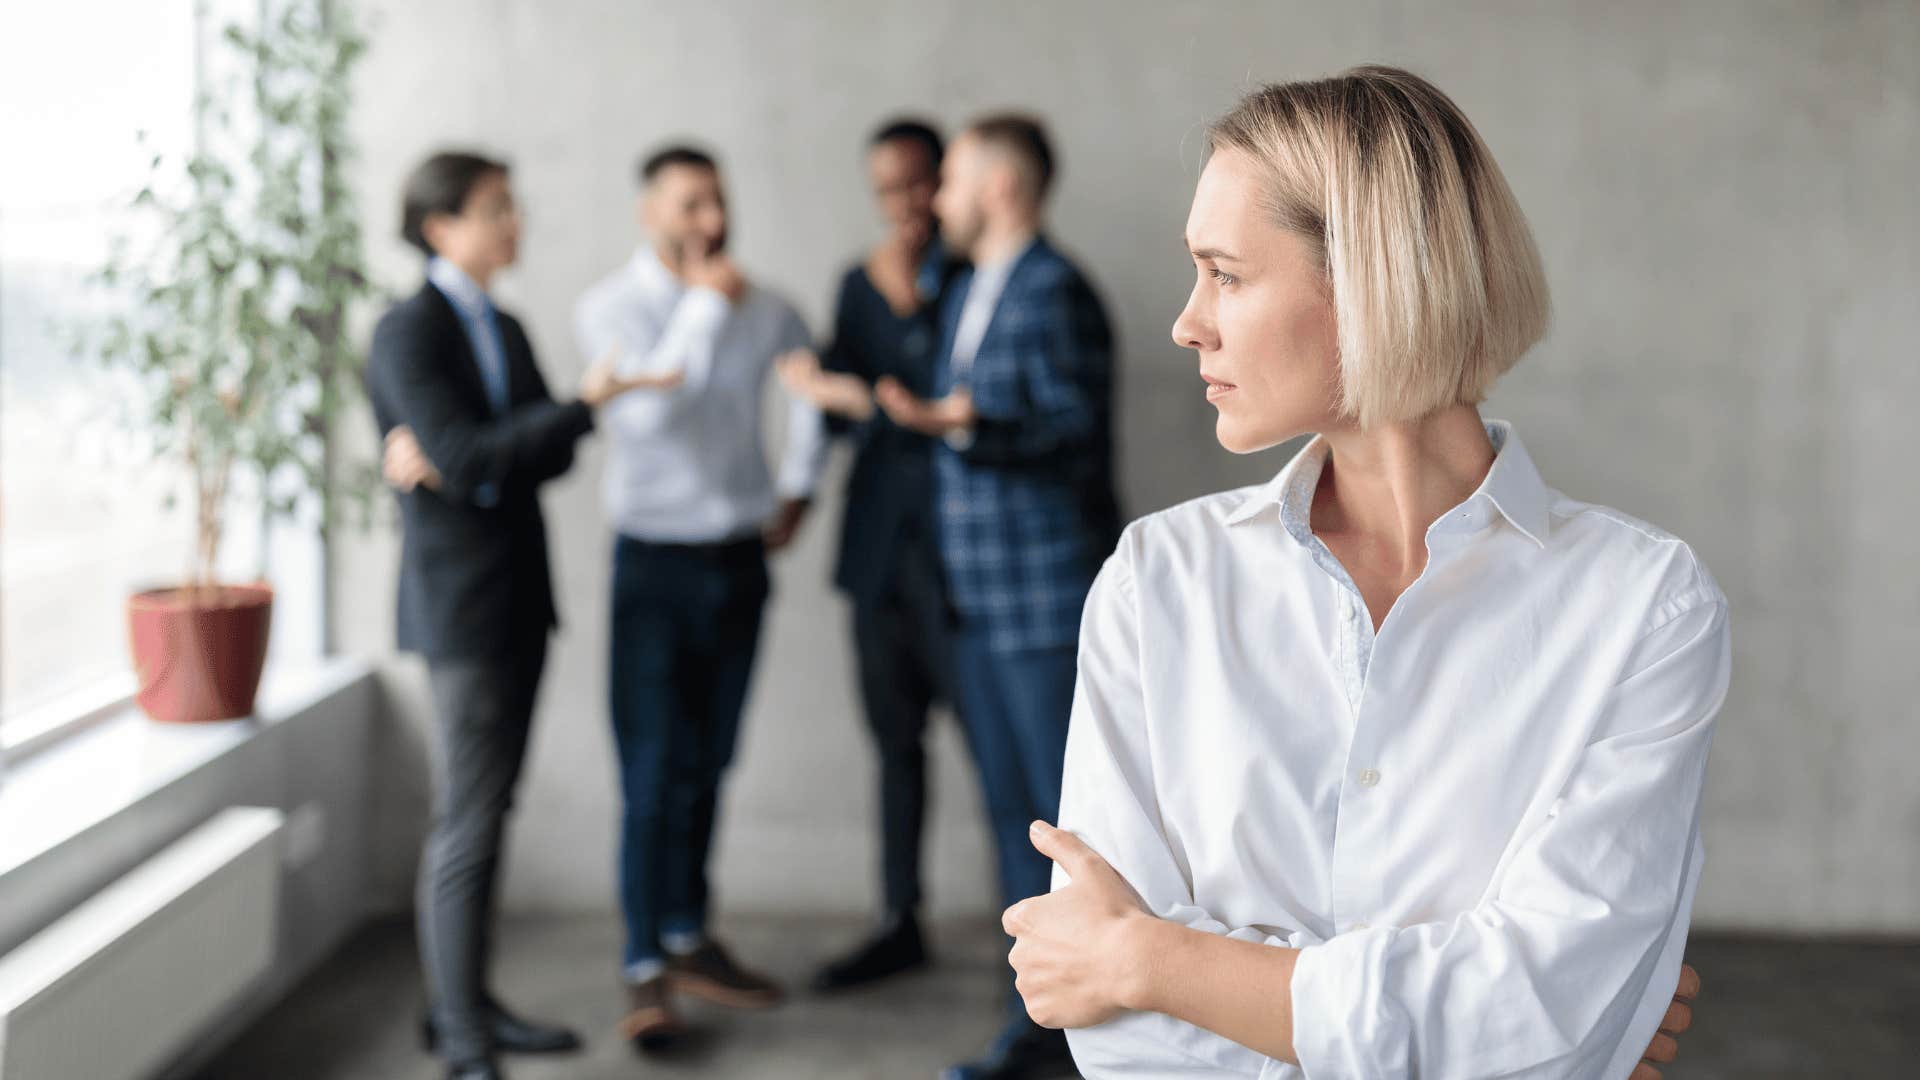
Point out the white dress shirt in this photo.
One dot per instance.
(688, 465)
(1480, 826)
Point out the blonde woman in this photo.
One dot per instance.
(1390, 767)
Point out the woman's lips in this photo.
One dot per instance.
(1217, 388)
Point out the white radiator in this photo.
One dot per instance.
(116, 988)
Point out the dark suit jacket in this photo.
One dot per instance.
(474, 580)
(1027, 510)
(890, 490)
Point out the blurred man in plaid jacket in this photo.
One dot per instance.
(1024, 487)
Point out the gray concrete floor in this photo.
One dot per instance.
(1770, 1009)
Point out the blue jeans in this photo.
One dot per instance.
(686, 625)
(1015, 707)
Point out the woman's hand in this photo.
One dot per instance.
(1078, 950)
(1666, 1042)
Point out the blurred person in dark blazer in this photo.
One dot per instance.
(471, 432)
(886, 326)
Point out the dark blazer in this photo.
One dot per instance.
(890, 489)
(474, 580)
(1027, 510)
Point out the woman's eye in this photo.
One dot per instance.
(1222, 276)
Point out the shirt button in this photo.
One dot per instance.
(1362, 926)
(1369, 777)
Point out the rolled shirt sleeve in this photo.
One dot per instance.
(1108, 800)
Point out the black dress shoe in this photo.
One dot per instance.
(484, 1069)
(510, 1034)
(896, 948)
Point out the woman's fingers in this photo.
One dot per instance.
(1678, 1019)
(1064, 848)
(1644, 1071)
(1663, 1048)
(1014, 919)
(1689, 983)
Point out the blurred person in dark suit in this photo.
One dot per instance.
(471, 432)
(886, 327)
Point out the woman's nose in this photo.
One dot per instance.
(1190, 331)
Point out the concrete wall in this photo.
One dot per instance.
(1724, 195)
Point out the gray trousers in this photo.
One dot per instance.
(484, 709)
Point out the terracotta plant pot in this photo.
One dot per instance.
(198, 652)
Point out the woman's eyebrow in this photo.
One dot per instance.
(1214, 254)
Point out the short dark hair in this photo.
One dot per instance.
(440, 185)
(677, 154)
(1025, 138)
(909, 129)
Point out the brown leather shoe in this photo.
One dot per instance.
(650, 1023)
(710, 973)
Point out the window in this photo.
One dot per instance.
(82, 520)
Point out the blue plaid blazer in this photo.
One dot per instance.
(1027, 511)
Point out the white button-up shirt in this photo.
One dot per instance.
(688, 465)
(1481, 825)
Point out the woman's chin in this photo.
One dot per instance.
(1234, 435)
(1238, 436)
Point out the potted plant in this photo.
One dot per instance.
(233, 331)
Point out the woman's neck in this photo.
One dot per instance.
(1383, 487)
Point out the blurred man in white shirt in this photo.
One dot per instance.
(695, 509)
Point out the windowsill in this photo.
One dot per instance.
(44, 725)
(65, 788)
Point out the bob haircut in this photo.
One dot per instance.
(1437, 286)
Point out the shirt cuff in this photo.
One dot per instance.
(794, 486)
(1331, 1034)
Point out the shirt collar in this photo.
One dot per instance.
(462, 291)
(1512, 487)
